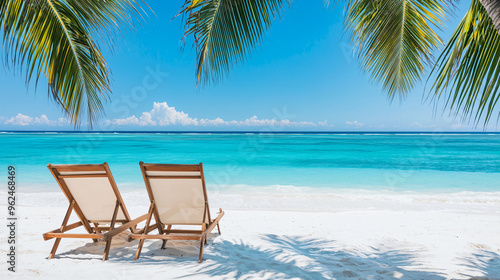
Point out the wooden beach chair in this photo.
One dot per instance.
(178, 197)
(94, 197)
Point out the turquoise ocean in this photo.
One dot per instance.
(420, 162)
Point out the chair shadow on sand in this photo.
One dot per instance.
(123, 250)
(285, 257)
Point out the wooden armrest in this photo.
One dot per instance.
(213, 223)
(46, 236)
(108, 235)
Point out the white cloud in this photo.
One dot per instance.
(24, 120)
(216, 122)
(169, 116)
(20, 119)
(129, 120)
(43, 120)
(355, 123)
(417, 124)
(64, 121)
(164, 115)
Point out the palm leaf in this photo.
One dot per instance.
(468, 69)
(225, 30)
(394, 39)
(57, 38)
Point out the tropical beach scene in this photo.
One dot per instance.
(250, 139)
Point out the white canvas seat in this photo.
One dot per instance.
(178, 197)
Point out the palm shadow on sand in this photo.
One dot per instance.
(306, 258)
(284, 257)
(483, 262)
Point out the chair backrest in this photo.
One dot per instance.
(178, 192)
(93, 189)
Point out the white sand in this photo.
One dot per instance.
(299, 234)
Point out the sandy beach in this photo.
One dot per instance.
(344, 140)
(342, 235)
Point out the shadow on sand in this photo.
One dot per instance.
(284, 257)
(307, 258)
(483, 262)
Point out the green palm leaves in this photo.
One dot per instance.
(395, 38)
(225, 30)
(468, 70)
(395, 42)
(59, 39)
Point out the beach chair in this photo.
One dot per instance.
(178, 197)
(94, 197)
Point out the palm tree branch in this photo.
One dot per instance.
(71, 43)
(394, 39)
(56, 38)
(468, 70)
(224, 31)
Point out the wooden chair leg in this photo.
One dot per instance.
(111, 226)
(146, 227)
(139, 248)
(218, 228)
(164, 243)
(202, 245)
(54, 248)
(63, 225)
(106, 250)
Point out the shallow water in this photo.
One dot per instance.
(246, 161)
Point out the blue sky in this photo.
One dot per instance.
(302, 76)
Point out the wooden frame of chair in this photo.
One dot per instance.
(94, 232)
(165, 231)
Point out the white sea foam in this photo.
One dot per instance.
(293, 198)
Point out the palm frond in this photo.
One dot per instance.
(394, 39)
(56, 38)
(468, 69)
(225, 30)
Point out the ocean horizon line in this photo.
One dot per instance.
(250, 132)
